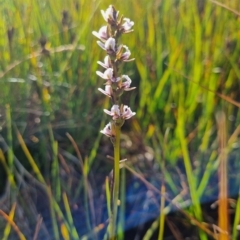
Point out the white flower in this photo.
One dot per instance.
(127, 112)
(115, 112)
(109, 45)
(124, 112)
(107, 75)
(107, 62)
(108, 91)
(110, 15)
(102, 34)
(127, 25)
(125, 85)
(126, 54)
(108, 130)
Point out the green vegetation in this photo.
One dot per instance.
(186, 131)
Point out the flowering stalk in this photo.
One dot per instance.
(115, 85)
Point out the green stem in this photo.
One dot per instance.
(116, 171)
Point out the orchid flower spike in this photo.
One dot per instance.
(116, 54)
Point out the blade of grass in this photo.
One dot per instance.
(226, 7)
(37, 228)
(55, 171)
(53, 202)
(74, 233)
(30, 158)
(176, 232)
(236, 221)
(64, 231)
(223, 216)
(9, 138)
(10, 174)
(8, 226)
(87, 188)
(13, 224)
(187, 162)
(162, 215)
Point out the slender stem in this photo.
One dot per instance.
(116, 174)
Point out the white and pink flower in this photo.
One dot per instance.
(107, 62)
(125, 83)
(123, 55)
(110, 15)
(127, 25)
(109, 45)
(108, 130)
(114, 113)
(102, 34)
(107, 75)
(127, 112)
(108, 91)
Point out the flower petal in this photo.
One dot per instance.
(102, 45)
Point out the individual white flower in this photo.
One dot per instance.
(115, 112)
(107, 75)
(127, 25)
(125, 85)
(109, 45)
(107, 62)
(127, 82)
(123, 56)
(127, 112)
(102, 34)
(108, 130)
(110, 15)
(108, 91)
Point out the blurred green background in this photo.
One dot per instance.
(186, 55)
